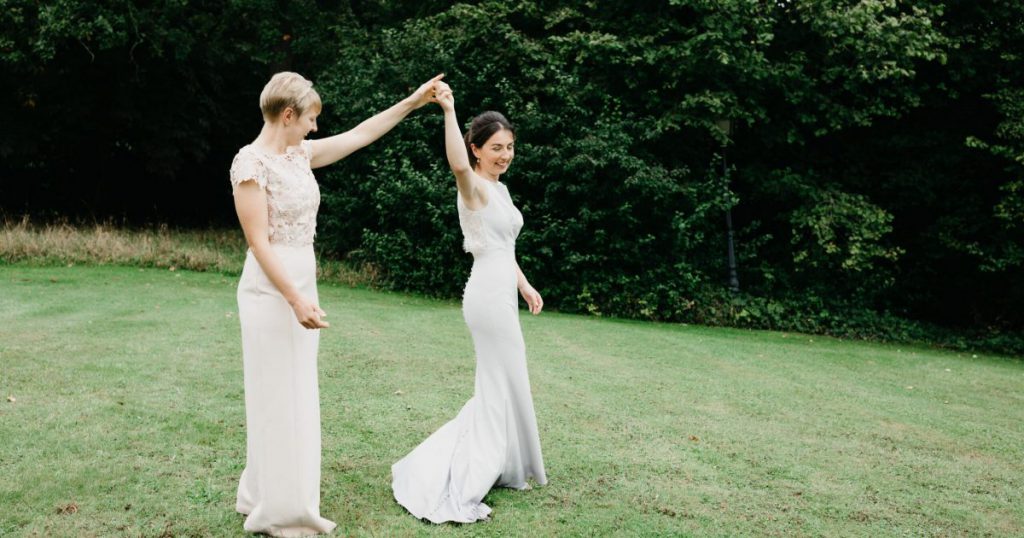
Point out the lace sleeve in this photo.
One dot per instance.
(307, 150)
(247, 167)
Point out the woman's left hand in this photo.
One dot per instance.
(443, 96)
(426, 93)
(533, 299)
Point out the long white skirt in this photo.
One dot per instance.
(493, 441)
(280, 486)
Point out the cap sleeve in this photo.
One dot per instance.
(307, 150)
(247, 167)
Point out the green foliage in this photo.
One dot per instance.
(595, 199)
(99, 97)
(623, 205)
(876, 160)
(842, 235)
(1008, 252)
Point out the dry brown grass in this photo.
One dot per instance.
(221, 251)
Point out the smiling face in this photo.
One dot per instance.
(495, 155)
(298, 126)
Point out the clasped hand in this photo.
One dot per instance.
(443, 96)
(429, 91)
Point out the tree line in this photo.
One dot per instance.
(872, 164)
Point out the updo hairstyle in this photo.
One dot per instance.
(482, 128)
(287, 89)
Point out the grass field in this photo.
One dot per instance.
(127, 419)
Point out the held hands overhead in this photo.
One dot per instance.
(307, 313)
(434, 91)
(427, 92)
(334, 148)
(443, 96)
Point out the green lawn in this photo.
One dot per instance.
(128, 419)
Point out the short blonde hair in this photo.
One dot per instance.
(287, 89)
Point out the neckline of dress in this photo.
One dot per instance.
(503, 198)
(287, 151)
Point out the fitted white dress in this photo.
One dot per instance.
(493, 441)
(280, 487)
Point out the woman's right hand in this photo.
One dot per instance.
(309, 313)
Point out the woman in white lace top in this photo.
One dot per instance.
(276, 198)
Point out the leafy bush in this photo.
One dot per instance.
(874, 163)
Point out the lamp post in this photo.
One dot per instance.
(725, 125)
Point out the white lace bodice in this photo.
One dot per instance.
(494, 226)
(293, 195)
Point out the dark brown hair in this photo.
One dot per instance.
(482, 128)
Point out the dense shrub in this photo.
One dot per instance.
(618, 161)
(875, 163)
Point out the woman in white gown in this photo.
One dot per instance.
(276, 198)
(493, 441)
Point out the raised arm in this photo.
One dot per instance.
(251, 206)
(455, 148)
(334, 148)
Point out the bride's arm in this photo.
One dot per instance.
(455, 149)
(532, 297)
(334, 148)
